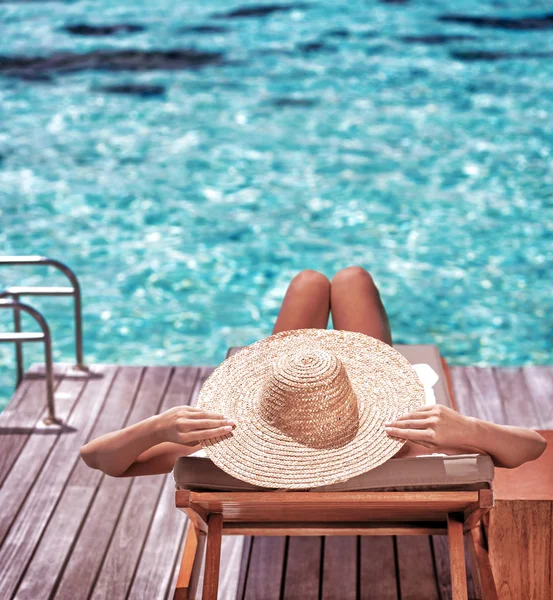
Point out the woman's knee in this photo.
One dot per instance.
(354, 275)
(311, 278)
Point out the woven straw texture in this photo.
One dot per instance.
(309, 406)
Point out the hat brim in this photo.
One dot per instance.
(385, 384)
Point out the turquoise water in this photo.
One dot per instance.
(320, 136)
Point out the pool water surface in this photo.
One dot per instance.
(188, 159)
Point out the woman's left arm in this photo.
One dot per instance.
(438, 426)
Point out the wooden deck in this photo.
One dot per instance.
(68, 532)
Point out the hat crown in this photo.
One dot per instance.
(308, 396)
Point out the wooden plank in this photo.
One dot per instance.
(442, 569)
(231, 555)
(440, 549)
(329, 507)
(531, 481)
(20, 417)
(188, 558)
(539, 382)
(303, 567)
(153, 576)
(515, 397)
(378, 569)
(482, 571)
(340, 558)
(34, 453)
(416, 569)
(18, 395)
(162, 547)
(266, 568)
(329, 529)
(244, 567)
(34, 515)
(213, 556)
(476, 393)
(204, 373)
(63, 529)
(520, 548)
(457, 557)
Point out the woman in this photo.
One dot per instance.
(152, 446)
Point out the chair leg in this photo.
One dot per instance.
(473, 566)
(457, 556)
(190, 567)
(213, 556)
(483, 571)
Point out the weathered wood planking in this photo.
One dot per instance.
(22, 414)
(20, 543)
(377, 568)
(71, 532)
(266, 569)
(416, 568)
(340, 568)
(302, 579)
(28, 452)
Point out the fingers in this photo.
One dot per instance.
(421, 413)
(415, 435)
(210, 423)
(198, 413)
(205, 434)
(412, 424)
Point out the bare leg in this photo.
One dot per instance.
(306, 304)
(356, 305)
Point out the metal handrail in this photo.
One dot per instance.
(45, 337)
(16, 291)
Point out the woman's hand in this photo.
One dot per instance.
(188, 425)
(433, 426)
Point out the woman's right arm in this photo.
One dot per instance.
(153, 445)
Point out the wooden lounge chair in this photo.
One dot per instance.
(426, 504)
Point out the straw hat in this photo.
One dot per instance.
(309, 406)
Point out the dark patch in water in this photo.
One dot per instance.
(338, 33)
(98, 30)
(436, 39)
(294, 102)
(31, 67)
(317, 46)
(260, 10)
(376, 49)
(484, 55)
(416, 72)
(239, 235)
(202, 29)
(521, 23)
(394, 1)
(368, 34)
(133, 89)
(277, 51)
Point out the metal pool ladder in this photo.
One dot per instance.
(10, 299)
